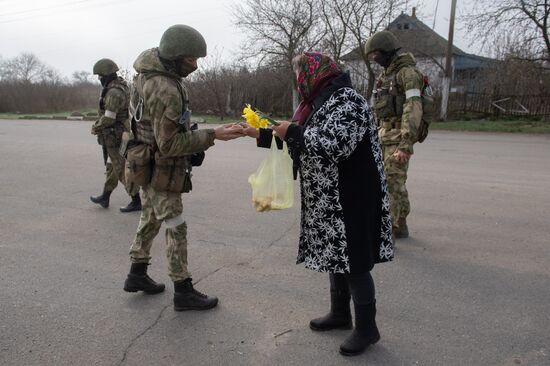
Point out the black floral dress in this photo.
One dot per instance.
(345, 219)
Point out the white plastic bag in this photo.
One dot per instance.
(273, 183)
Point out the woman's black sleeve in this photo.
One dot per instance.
(264, 140)
(295, 138)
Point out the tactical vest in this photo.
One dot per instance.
(389, 98)
(111, 137)
(171, 174)
(122, 114)
(142, 125)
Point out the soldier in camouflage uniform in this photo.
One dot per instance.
(398, 108)
(112, 122)
(161, 116)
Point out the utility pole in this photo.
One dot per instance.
(446, 87)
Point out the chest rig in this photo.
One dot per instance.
(121, 114)
(389, 98)
(142, 125)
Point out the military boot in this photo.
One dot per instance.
(102, 199)
(187, 298)
(134, 205)
(365, 332)
(139, 280)
(402, 230)
(339, 316)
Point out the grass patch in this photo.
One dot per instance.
(56, 115)
(502, 125)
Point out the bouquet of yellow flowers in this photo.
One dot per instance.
(257, 118)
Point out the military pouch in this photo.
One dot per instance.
(139, 165)
(197, 158)
(383, 107)
(171, 175)
(126, 139)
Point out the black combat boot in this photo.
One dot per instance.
(187, 298)
(134, 205)
(102, 199)
(339, 316)
(365, 332)
(402, 230)
(139, 280)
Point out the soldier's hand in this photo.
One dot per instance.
(249, 130)
(401, 156)
(94, 130)
(228, 132)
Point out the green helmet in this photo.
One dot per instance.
(180, 41)
(383, 40)
(105, 67)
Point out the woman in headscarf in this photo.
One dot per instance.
(345, 220)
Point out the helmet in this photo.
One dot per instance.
(105, 67)
(383, 40)
(180, 41)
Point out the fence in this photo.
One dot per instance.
(495, 105)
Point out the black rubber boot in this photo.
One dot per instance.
(102, 199)
(139, 280)
(365, 332)
(339, 316)
(187, 298)
(134, 205)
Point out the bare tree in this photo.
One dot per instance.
(524, 22)
(362, 19)
(81, 77)
(277, 30)
(27, 68)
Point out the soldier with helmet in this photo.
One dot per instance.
(113, 121)
(164, 138)
(398, 109)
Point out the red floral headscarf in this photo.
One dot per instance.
(316, 71)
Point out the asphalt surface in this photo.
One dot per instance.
(471, 286)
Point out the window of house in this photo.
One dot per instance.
(406, 26)
(399, 26)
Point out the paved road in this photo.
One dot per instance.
(470, 287)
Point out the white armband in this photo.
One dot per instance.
(110, 114)
(174, 222)
(412, 93)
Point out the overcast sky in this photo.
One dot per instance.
(70, 35)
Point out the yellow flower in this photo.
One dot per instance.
(253, 119)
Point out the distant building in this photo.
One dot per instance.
(429, 50)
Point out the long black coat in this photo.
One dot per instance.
(345, 220)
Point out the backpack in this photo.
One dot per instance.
(428, 109)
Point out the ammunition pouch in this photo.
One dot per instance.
(127, 140)
(171, 174)
(139, 165)
(197, 158)
(388, 105)
(110, 136)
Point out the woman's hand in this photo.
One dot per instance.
(249, 130)
(280, 130)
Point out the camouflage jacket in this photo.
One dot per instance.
(114, 106)
(163, 107)
(398, 105)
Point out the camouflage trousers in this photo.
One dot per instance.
(396, 175)
(159, 207)
(114, 173)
